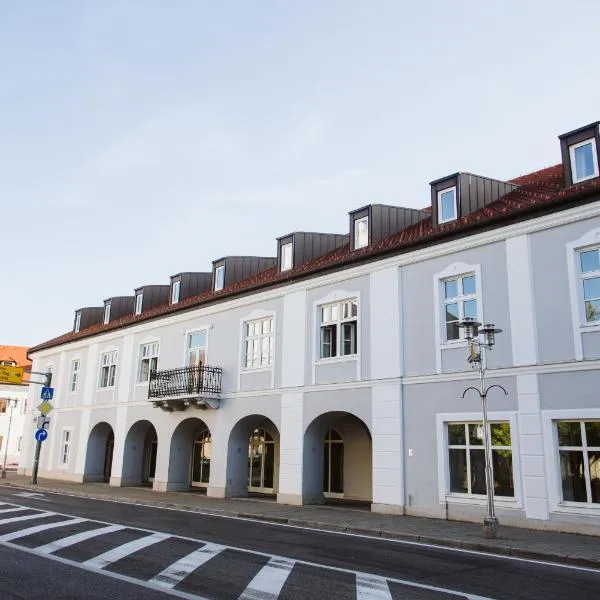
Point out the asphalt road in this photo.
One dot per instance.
(56, 546)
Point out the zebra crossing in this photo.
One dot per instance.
(193, 568)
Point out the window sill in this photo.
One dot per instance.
(478, 500)
(577, 508)
(586, 327)
(336, 359)
(447, 345)
(246, 371)
(106, 389)
(142, 384)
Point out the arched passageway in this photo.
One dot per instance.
(337, 459)
(99, 453)
(190, 455)
(139, 454)
(253, 457)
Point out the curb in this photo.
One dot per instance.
(441, 542)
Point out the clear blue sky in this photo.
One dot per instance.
(143, 138)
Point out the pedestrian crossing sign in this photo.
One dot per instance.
(45, 407)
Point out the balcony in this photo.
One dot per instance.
(177, 389)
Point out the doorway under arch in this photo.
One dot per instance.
(139, 454)
(337, 459)
(253, 457)
(190, 455)
(99, 453)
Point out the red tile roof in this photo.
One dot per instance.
(538, 191)
(17, 354)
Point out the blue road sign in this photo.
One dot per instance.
(41, 435)
(47, 393)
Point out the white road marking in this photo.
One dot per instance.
(47, 550)
(7, 537)
(7, 510)
(34, 495)
(331, 532)
(76, 538)
(268, 582)
(111, 556)
(40, 515)
(179, 570)
(372, 587)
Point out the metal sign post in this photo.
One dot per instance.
(45, 407)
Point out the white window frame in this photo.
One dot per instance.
(175, 290)
(218, 271)
(357, 222)
(580, 325)
(450, 272)
(572, 149)
(74, 375)
(112, 361)
(258, 339)
(106, 314)
(64, 464)
(339, 323)
(459, 300)
(256, 315)
(153, 347)
(77, 322)
(552, 462)
(452, 188)
(287, 256)
(444, 494)
(139, 301)
(336, 296)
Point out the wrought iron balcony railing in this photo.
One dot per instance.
(186, 382)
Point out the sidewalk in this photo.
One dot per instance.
(526, 543)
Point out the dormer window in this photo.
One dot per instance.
(286, 257)
(77, 322)
(219, 278)
(139, 299)
(584, 160)
(361, 233)
(447, 205)
(107, 314)
(175, 292)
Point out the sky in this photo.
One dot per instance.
(143, 138)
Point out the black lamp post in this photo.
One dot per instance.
(478, 346)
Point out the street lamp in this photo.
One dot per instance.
(478, 346)
(12, 403)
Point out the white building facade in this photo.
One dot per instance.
(339, 372)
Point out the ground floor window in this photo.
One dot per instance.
(261, 461)
(466, 459)
(579, 456)
(333, 464)
(65, 446)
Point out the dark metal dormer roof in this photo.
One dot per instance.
(383, 220)
(192, 283)
(152, 296)
(307, 245)
(120, 306)
(238, 268)
(90, 316)
(572, 138)
(472, 192)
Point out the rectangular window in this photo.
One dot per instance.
(466, 459)
(338, 329)
(106, 314)
(286, 257)
(175, 292)
(589, 263)
(19, 443)
(3, 405)
(139, 300)
(219, 278)
(584, 160)
(77, 322)
(447, 205)
(108, 368)
(148, 361)
(361, 233)
(259, 343)
(65, 446)
(579, 456)
(74, 375)
(460, 301)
